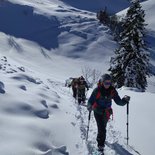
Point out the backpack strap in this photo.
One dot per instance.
(98, 95)
(95, 105)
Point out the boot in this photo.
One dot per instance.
(100, 148)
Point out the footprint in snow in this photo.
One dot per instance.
(49, 150)
(22, 77)
(21, 69)
(44, 103)
(57, 151)
(54, 106)
(42, 113)
(2, 91)
(28, 110)
(23, 87)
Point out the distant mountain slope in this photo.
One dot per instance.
(149, 7)
(21, 22)
(57, 27)
(96, 5)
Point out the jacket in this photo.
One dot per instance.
(101, 99)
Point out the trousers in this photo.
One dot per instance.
(101, 121)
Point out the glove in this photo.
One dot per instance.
(126, 99)
(89, 107)
(87, 89)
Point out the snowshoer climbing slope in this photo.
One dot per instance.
(100, 102)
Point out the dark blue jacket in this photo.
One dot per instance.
(101, 98)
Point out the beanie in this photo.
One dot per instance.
(105, 77)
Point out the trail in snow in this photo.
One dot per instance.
(112, 145)
(53, 98)
(27, 110)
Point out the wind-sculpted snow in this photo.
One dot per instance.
(25, 109)
(22, 77)
(34, 114)
(57, 28)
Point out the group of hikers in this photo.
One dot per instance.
(99, 102)
(79, 86)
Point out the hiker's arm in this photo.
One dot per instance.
(92, 98)
(118, 100)
(86, 85)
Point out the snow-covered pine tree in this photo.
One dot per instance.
(129, 66)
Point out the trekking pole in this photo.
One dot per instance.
(127, 122)
(86, 94)
(76, 97)
(88, 124)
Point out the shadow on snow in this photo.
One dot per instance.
(21, 22)
(120, 150)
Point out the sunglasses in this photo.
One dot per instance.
(107, 83)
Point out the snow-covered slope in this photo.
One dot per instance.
(56, 26)
(149, 7)
(37, 112)
(96, 5)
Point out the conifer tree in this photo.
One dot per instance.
(129, 66)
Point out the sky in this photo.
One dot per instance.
(43, 43)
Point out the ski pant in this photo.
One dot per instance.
(74, 89)
(101, 121)
(81, 95)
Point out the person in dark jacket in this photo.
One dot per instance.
(74, 84)
(100, 102)
(82, 86)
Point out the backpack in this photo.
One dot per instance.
(108, 111)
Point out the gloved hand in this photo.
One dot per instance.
(89, 107)
(126, 99)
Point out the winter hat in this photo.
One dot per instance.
(105, 77)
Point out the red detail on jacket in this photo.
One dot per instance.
(94, 106)
(98, 95)
(108, 111)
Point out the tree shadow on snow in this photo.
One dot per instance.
(21, 22)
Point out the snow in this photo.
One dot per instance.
(149, 8)
(38, 115)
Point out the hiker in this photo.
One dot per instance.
(100, 102)
(74, 85)
(82, 86)
(68, 82)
